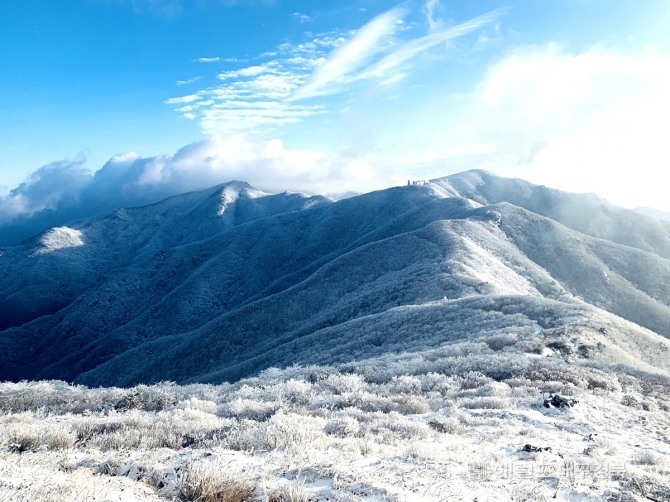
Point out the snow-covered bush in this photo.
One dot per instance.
(435, 382)
(446, 425)
(291, 392)
(410, 405)
(198, 404)
(484, 403)
(342, 426)
(288, 430)
(500, 342)
(404, 384)
(472, 380)
(38, 435)
(497, 389)
(338, 383)
(158, 396)
(248, 409)
(393, 426)
(290, 492)
(212, 481)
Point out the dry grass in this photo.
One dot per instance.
(205, 481)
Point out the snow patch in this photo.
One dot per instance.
(232, 193)
(60, 238)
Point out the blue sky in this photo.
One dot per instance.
(331, 96)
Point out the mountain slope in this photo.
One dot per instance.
(222, 283)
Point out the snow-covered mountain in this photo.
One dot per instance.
(219, 284)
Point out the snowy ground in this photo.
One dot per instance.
(321, 434)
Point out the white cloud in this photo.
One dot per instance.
(411, 49)
(263, 97)
(430, 9)
(48, 188)
(599, 116)
(586, 121)
(191, 98)
(351, 55)
(188, 81)
(303, 18)
(207, 60)
(66, 191)
(253, 98)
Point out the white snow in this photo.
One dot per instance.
(60, 238)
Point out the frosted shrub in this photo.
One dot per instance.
(294, 392)
(247, 409)
(342, 384)
(158, 396)
(342, 427)
(25, 440)
(365, 401)
(52, 397)
(436, 382)
(647, 458)
(246, 435)
(563, 373)
(290, 492)
(499, 389)
(36, 436)
(205, 392)
(410, 405)
(204, 481)
(485, 403)
(144, 431)
(530, 346)
(499, 342)
(446, 425)
(600, 380)
(472, 380)
(198, 404)
(395, 426)
(288, 430)
(405, 384)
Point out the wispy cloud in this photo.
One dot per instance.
(268, 92)
(413, 48)
(365, 55)
(188, 81)
(190, 98)
(303, 18)
(430, 10)
(352, 55)
(254, 98)
(207, 60)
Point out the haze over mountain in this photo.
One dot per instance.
(221, 283)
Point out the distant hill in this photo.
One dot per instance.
(219, 284)
(655, 213)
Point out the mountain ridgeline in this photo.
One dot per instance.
(222, 283)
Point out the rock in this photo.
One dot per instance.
(559, 402)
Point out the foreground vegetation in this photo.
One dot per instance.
(391, 431)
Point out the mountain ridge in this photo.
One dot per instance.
(218, 283)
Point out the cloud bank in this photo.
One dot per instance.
(66, 192)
